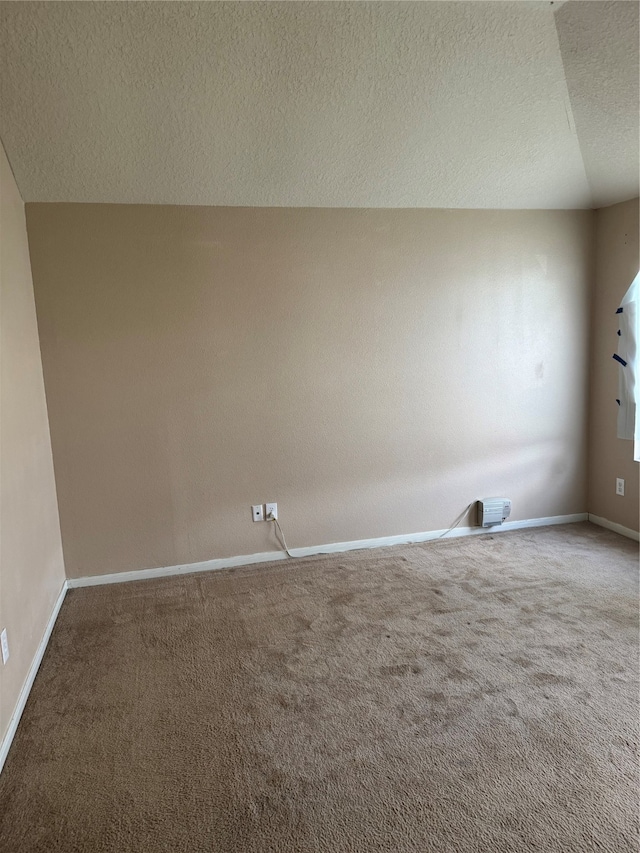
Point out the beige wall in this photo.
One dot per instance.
(617, 264)
(371, 371)
(31, 566)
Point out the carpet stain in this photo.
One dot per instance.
(401, 669)
(550, 678)
(523, 662)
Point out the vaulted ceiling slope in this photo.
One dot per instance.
(325, 104)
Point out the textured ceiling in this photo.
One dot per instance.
(599, 44)
(427, 104)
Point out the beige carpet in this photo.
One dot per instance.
(468, 695)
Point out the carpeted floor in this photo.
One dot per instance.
(476, 694)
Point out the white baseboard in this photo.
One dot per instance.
(7, 740)
(617, 528)
(313, 550)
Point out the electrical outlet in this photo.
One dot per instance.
(619, 486)
(257, 512)
(4, 642)
(271, 511)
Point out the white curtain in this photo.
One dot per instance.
(627, 358)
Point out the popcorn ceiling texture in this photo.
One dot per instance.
(604, 92)
(315, 104)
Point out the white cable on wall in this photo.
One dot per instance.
(285, 547)
(458, 519)
(280, 536)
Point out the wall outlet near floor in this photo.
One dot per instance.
(619, 486)
(4, 642)
(257, 512)
(271, 511)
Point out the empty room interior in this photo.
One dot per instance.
(319, 497)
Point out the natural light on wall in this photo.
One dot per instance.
(627, 358)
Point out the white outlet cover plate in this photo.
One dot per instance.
(619, 486)
(4, 642)
(271, 510)
(257, 512)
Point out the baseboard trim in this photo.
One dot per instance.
(617, 528)
(7, 740)
(332, 548)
